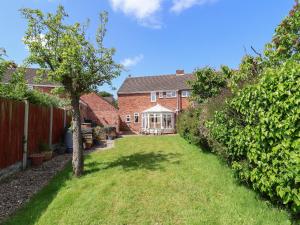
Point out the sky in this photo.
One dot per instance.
(155, 37)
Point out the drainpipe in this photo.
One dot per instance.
(177, 106)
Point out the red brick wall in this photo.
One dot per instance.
(100, 111)
(137, 103)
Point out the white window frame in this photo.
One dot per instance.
(185, 94)
(161, 94)
(128, 119)
(138, 117)
(171, 94)
(153, 96)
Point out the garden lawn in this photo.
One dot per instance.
(149, 180)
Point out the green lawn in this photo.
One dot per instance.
(149, 180)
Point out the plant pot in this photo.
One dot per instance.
(88, 145)
(37, 159)
(48, 155)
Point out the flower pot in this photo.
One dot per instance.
(37, 159)
(47, 155)
(88, 145)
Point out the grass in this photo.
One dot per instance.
(149, 180)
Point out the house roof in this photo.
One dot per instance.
(157, 109)
(30, 74)
(155, 83)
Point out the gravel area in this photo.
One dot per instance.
(19, 188)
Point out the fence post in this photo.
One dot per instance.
(25, 140)
(51, 126)
(65, 118)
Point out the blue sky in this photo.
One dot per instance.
(160, 36)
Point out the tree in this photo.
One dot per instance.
(64, 53)
(4, 64)
(104, 94)
(286, 42)
(207, 83)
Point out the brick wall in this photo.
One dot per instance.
(137, 103)
(100, 111)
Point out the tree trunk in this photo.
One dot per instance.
(77, 160)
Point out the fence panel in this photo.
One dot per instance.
(11, 132)
(58, 125)
(12, 115)
(38, 127)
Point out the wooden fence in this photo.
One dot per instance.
(23, 127)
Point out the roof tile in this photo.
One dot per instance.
(155, 83)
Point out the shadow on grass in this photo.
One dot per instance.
(30, 213)
(136, 161)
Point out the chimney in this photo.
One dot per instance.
(179, 72)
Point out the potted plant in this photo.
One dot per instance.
(37, 159)
(99, 133)
(46, 151)
(111, 132)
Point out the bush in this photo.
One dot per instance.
(99, 133)
(188, 126)
(260, 129)
(17, 89)
(207, 83)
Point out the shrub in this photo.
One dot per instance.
(260, 129)
(99, 133)
(207, 83)
(188, 126)
(17, 89)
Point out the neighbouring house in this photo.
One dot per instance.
(94, 108)
(99, 110)
(150, 104)
(30, 76)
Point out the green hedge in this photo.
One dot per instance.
(260, 129)
(188, 126)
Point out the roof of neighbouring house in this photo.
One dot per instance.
(30, 75)
(155, 83)
(156, 109)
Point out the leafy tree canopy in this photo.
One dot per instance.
(286, 42)
(63, 51)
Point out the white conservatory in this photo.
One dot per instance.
(158, 120)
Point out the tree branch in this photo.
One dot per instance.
(256, 52)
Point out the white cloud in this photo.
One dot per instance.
(129, 62)
(180, 5)
(144, 11)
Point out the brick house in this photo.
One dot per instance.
(151, 103)
(94, 108)
(30, 75)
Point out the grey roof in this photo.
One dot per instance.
(155, 83)
(30, 74)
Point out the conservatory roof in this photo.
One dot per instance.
(158, 108)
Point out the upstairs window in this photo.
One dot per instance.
(161, 94)
(153, 96)
(171, 94)
(136, 117)
(128, 119)
(185, 94)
